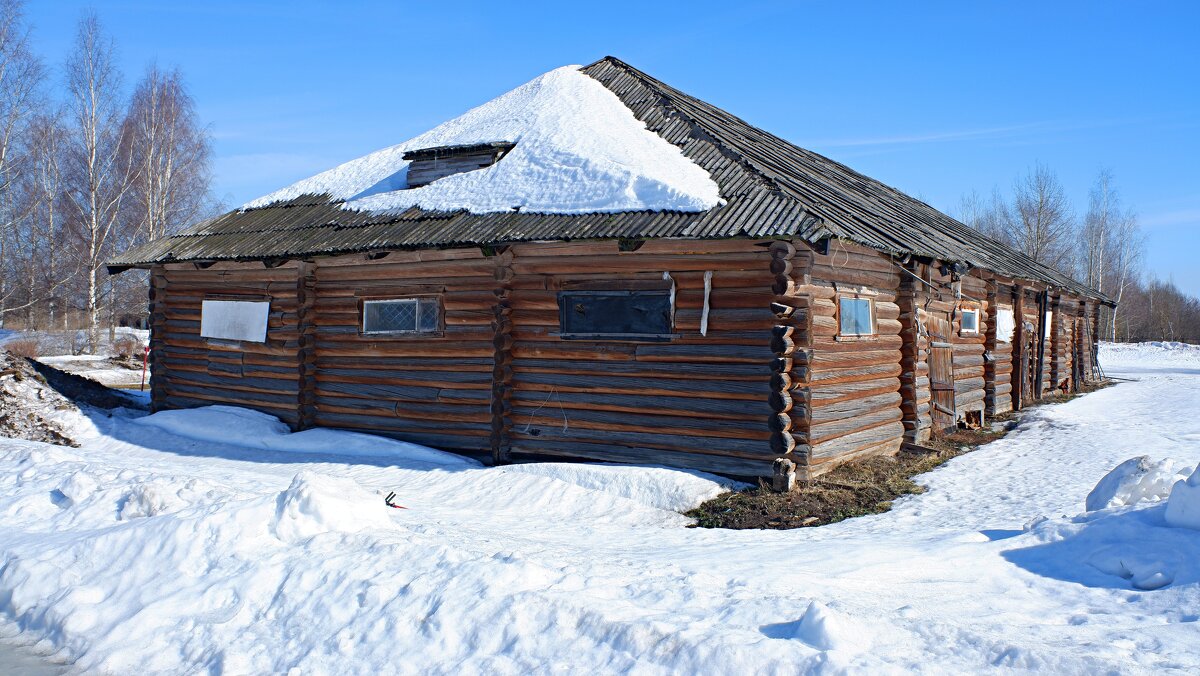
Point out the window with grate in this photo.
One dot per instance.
(401, 315)
(856, 317)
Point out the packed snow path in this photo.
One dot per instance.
(266, 551)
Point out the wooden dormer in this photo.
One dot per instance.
(430, 164)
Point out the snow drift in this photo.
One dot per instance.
(1136, 480)
(578, 150)
(1183, 507)
(253, 429)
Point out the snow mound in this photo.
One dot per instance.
(149, 499)
(315, 504)
(823, 629)
(225, 424)
(75, 489)
(252, 429)
(578, 150)
(1135, 480)
(659, 487)
(1183, 507)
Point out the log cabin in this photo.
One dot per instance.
(512, 285)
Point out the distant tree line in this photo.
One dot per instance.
(88, 169)
(1104, 249)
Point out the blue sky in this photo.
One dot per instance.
(936, 98)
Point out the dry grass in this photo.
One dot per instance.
(30, 348)
(127, 348)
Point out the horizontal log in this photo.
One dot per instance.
(736, 409)
(851, 443)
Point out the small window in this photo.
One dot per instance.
(970, 321)
(856, 316)
(636, 314)
(401, 315)
(234, 320)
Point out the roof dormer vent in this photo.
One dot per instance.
(430, 164)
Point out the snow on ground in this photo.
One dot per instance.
(148, 550)
(578, 150)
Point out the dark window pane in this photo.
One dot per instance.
(970, 321)
(390, 315)
(618, 313)
(429, 314)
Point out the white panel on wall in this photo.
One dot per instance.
(234, 320)
(1049, 322)
(1005, 324)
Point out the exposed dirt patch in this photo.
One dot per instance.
(857, 488)
(28, 404)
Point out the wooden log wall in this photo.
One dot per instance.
(697, 401)
(914, 363)
(502, 370)
(771, 378)
(999, 362)
(1065, 348)
(855, 381)
(1031, 315)
(193, 371)
(1087, 320)
(969, 348)
(428, 389)
(158, 333)
(791, 342)
(968, 360)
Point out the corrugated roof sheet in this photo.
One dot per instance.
(772, 188)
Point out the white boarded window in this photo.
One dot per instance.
(970, 321)
(856, 317)
(234, 320)
(401, 315)
(1006, 324)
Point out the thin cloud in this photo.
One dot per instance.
(935, 137)
(1011, 132)
(1170, 218)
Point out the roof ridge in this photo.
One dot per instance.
(669, 101)
(850, 204)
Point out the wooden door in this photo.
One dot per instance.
(941, 375)
(1031, 388)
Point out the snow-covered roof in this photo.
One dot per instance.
(578, 150)
(602, 152)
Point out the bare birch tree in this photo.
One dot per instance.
(95, 180)
(1097, 232)
(166, 153)
(1041, 224)
(1036, 221)
(47, 272)
(21, 76)
(988, 216)
(1125, 250)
